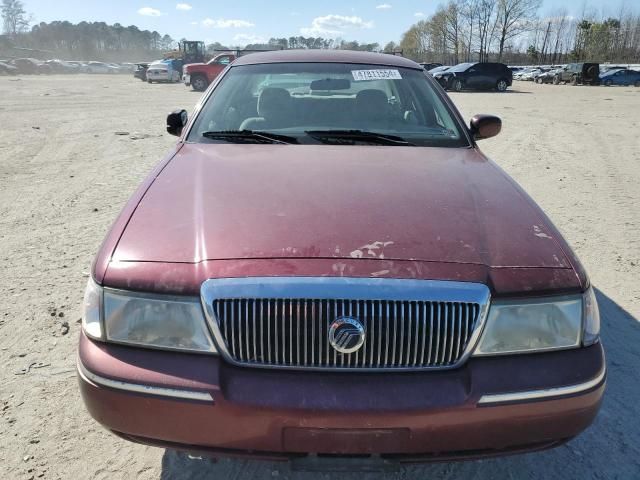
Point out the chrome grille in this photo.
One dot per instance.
(294, 332)
(271, 329)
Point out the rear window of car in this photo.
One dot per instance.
(294, 98)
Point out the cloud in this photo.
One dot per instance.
(150, 12)
(384, 6)
(184, 7)
(246, 38)
(225, 23)
(418, 14)
(333, 25)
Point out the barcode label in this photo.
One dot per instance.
(363, 75)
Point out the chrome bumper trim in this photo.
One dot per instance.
(542, 394)
(97, 380)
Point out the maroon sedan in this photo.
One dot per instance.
(327, 265)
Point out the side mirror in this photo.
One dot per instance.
(176, 121)
(485, 126)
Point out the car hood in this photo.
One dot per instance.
(224, 201)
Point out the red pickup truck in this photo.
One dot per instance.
(200, 75)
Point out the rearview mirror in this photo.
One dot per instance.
(485, 126)
(176, 121)
(331, 84)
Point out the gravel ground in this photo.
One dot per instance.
(65, 173)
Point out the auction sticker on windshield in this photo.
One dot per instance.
(362, 75)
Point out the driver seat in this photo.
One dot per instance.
(274, 110)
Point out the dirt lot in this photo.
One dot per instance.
(65, 174)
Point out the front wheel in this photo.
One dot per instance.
(199, 83)
(457, 85)
(501, 86)
(608, 83)
(149, 81)
(637, 84)
(539, 81)
(574, 80)
(556, 80)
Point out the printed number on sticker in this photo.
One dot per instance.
(362, 75)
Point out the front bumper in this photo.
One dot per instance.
(199, 403)
(444, 81)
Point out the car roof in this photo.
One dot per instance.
(325, 56)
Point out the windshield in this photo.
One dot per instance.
(300, 100)
(461, 67)
(439, 69)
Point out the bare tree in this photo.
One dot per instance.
(468, 14)
(486, 9)
(14, 17)
(453, 28)
(513, 17)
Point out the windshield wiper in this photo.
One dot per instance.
(249, 136)
(340, 136)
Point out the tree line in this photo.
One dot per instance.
(81, 41)
(512, 31)
(301, 42)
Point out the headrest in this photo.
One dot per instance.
(272, 100)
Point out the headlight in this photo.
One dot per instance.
(591, 318)
(156, 321)
(539, 325)
(91, 310)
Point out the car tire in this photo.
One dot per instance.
(199, 83)
(149, 81)
(556, 80)
(502, 85)
(608, 83)
(574, 80)
(539, 81)
(457, 85)
(637, 84)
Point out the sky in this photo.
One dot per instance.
(255, 21)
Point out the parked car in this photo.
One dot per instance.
(162, 73)
(8, 69)
(606, 68)
(442, 68)
(531, 75)
(140, 71)
(82, 66)
(476, 76)
(547, 77)
(30, 66)
(101, 67)
(127, 67)
(524, 71)
(200, 75)
(338, 272)
(578, 74)
(620, 77)
(60, 66)
(430, 66)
